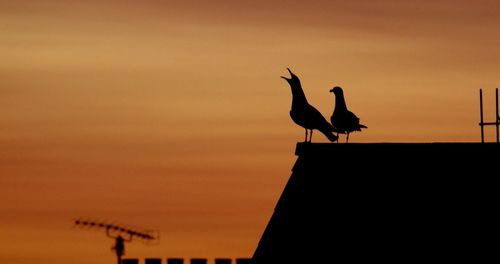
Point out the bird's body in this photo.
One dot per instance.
(304, 114)
(343, 120)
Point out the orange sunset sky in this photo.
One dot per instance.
(171, 114)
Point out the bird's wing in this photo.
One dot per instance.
(355, 121)
(352, 117)
(337, 119)
(317, 121)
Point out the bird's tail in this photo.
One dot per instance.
(330, 136)
(362, 126)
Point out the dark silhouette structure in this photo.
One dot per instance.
(222, 261)
(304, 114)
(243, 261)
(130, 261)
(388, 203)
(191, 261)
(343, 120)
(497, 116)
(198, 261)
(121, 235)
(119, 246)
(152, 261)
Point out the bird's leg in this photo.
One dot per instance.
(337, 137)
(306, 136)
(311, 136)
(347, 139)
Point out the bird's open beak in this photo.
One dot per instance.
(291, 74)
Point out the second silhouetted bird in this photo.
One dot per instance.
(304, 114)
(342, 119)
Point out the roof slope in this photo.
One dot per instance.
(388, 202)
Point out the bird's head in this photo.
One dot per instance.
(337, 90)
(293, 78)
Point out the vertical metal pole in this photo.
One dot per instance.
(481, 112)
(497, 122)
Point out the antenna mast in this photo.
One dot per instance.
(497, 116)
(120, 234)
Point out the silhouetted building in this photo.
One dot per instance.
(152, 261)
(175, 261)
(388, 203)
(130, 261)
(243, 261)
(222, 261)
(198, 261)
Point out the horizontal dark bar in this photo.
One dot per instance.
(489, 123)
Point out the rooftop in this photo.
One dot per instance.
(393, 202)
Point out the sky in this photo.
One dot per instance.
(172, 115)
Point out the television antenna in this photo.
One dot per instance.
(121, 234)
(497, 116)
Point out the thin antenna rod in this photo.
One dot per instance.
(497, 117)
(481, 112)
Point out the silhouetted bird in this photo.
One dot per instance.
(343, 120)
(304, 114)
